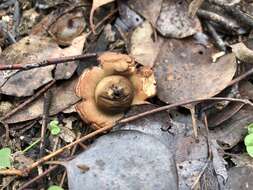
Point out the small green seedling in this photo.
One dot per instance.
(55, 187)
(248, 140)
(5, 158)
(250, 128)
(54, 127)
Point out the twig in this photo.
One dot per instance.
(104, 19)
(52, 61)
(238, 15)
(72, 153)
(30, 146)
(46, 107)
(243, 76)
(217, 39)
(200, 174)
(209, 155)
(21, 106)
(107, 128)
(38, 177)
(194, 122)
(7, 132)
(226, 23)
(167, 107)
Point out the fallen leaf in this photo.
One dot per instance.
(66, 70)
(67, 135)
(96, 4)
(191, 157)
(242, 160)
(30, 49)
(33, 49)
(219, 163)
(194, 6)
(142, 45)
(239, 178)
(149, 9)
(242, 52)
(232, 131)
(223, 115)
(184, 71)
(128, 19)
(63, 96)
(246, 90)
(68, 27)
(174, 20)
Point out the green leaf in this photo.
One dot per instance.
(250, 128)
(248, 140)
(55, 187)
(250, 150)
(54, 127)
(5, 158)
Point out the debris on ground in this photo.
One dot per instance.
(114, 94)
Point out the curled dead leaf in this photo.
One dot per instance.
(142, 46)
(111, 88)
(68, 27)
(242, 52)
(95, 5)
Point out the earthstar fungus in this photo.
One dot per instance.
(111, 88)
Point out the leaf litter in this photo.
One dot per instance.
(143, 56)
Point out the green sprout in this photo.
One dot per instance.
(5, 158)
(54, 127)
(250, 128)
(55, 187)
(248, 140)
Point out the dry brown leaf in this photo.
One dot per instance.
(219, 117)
(33, 49)
(142, 45)
(174, 20)
(66, 70)
(96, 4)
(63, 97)
(149, 9)
(239, 178)
(30, 49)
(184, 71)
(68, 27)
(242, 52)
(233, 130)
(194, 6)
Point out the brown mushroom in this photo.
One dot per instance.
(111, 88)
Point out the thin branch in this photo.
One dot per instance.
(38, 177)
(52, 61)
(216, 37)
(237, 14)
(226, 23)
(243, 76)
(46, 107)
(21, 106)
(107, 128)
(167, 107)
